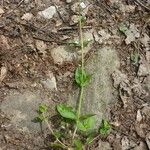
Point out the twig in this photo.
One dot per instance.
(15, 7)
(140, 3)
(48, 40)
(101, 3)
(59, 14)
(74, 28)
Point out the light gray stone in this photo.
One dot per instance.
(50, 82)
(48, 13)
(68, 1)
(27, 16)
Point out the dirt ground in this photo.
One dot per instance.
(26, 41)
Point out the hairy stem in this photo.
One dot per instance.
(81, 39)
(80, 103)
(78, 110)
(82, 69)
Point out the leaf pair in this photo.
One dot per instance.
(81, 78)
(86, 123)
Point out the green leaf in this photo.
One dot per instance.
(81, 78)
(82, 19)
(86, 124)
(66, 111)
(123, 28)
(81, 126)
(105, 127)
(78, 144)
(135, 57)
(42, 108)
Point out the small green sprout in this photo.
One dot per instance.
(78, 44)
(104, 128)
(123, 28)
(135, 57)
(42, 110)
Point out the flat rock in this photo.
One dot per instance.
(21, 109)
(99, 94)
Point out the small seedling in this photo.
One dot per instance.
(76, 130)
(42, 113)
(123, 28)
(104, 128)
(135, 58)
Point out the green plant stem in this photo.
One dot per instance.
(51, 130)
(81, 38)
(80, 103)
(82, 63)
(82, 68)
(78, 110)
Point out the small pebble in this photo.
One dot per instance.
(68, 1)
(27, 16)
